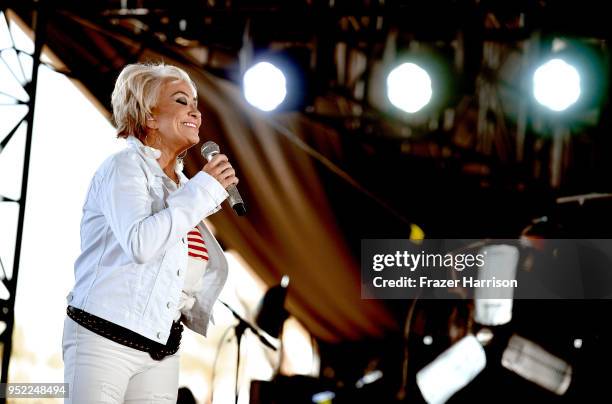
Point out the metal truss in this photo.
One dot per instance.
(28, 83)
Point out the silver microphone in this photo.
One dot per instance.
(211, 149)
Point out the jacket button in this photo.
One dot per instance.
(168, 305)
(159, 335)
(178, 272)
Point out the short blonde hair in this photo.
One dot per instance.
(136, 92)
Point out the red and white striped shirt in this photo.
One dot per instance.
(196, 246)
(196, 266)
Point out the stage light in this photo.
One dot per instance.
(484, 336)
(534, 363)
(556, 85)
(369, 378)
(324, 397)
(264, 86)
(452, 370)
(493, 306)
(409, 87)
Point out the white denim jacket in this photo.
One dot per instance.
(133, 244)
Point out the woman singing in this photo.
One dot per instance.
(147, 260)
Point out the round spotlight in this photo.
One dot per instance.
(556, 85)
(264, 86)
(409, 87)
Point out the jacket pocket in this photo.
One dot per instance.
(116, 287)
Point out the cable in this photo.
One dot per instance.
(401, 394)
(3, 271)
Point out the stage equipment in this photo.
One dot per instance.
(239, 330)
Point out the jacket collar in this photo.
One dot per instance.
(151, 155)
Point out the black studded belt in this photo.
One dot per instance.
(128, 337)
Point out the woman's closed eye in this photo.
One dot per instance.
(182, 101)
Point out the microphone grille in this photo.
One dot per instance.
(209, 149)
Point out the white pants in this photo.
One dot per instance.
(99, 370)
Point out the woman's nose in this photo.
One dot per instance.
(195, 113)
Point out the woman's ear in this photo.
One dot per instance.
(151, 122)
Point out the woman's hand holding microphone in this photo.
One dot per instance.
(220, 169)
